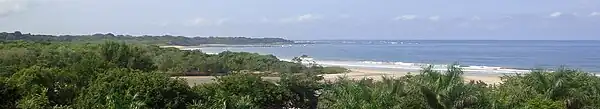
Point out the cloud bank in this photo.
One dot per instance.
(8, 7)
(302, 18)
(406, 17)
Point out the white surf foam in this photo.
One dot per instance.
(403, 66)
(417, 66)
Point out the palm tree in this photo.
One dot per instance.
(389, 93)
(445, 90)
(555, 86)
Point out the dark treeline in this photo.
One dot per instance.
(158, 40)
(112, 75)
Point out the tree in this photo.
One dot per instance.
(127, 88)
(124, 56)
(389, 93)
(52, 84)
(572, 88)
(446, 91)
(158, 40)
(9, 94)
(306, 85)
(242, 90)
(17, 33)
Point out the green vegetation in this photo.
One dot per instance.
(119, 75)
(111, 75)
(18, 55)
(334, 70)
(156, 40)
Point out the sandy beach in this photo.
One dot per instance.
(360, 73)
(174, 46)
(357, 73)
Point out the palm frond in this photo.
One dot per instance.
(431, 98)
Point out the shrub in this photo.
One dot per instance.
(125, 88)
(37, 83)
(334, 70)
(9, 94)
(389, 93)
(242, 90)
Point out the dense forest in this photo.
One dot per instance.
(41, 74)
(156, 40)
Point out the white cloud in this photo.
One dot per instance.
(405, 17)
(301, 18)
(306, 17)
(8, 7)
(434, 18)
(575, 14)
(464, 25)
(165, 23)
(476, 18)
(556, 14)
(221, 21)
(595, 14)
(197, 21)
(264, 19)
(508, 17)
(344, 16)
(494, 27)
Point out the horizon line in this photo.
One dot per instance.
(296, 39)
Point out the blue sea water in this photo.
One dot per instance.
(479, 54)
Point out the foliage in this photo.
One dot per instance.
(119, 55)
(334, 70)
(9, 95)
(95, 58)
(35, 101)
(124, 88)
(54, 85)
(305, 83)
(36, 74)
(543, 103)
(159, 40)
(239, 90)
(389, 93)
(573, 89)
(446, 90)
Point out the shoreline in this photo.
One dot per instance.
(357, 74)
(225, 45)
(376, 70)
(402, 66)
(360, 73)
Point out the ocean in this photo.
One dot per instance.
(490, 56)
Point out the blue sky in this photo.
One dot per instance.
(311, 19)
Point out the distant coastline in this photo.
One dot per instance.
(402, 66)
(145, 39)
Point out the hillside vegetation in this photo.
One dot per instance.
(156, 40)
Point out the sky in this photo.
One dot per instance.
(311, 19)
